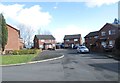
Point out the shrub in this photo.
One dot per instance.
(15, 52)
(28, 51)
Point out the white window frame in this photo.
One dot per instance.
(40, 46)
(67, 40)
(42, 40)
(90, 37)
(110, 42)
(103, 33)
(111, 32)
(96, 37)
(103, 44)
(75, 39)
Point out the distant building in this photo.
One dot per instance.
(91, 39)
(72, 40)
(14, 41)
(44, 41)
(105, 36)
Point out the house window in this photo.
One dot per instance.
(41, 46)
(103, 33)
(53, 45)
(50, 40)
(42, 40)
(75, 39)
(67, 40)
(90, 37)
(111, 32)
(103, 44)
(96, 37)
(110, 42)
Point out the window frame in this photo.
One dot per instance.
(103, 33)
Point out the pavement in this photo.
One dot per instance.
(47, 54)
(73, 67)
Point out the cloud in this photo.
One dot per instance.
(69, 30)
(98, 3)
(56, 5)
(32, 16)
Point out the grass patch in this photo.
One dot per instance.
(14, 59)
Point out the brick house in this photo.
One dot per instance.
(91, 40)
(44, 41)
(14, 41)
(72, 40)
(105, 36)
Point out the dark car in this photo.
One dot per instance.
(75, 47)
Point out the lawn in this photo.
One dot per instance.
(13, 59)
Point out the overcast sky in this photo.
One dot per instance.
(61, 18)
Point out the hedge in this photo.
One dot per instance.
(21, 52)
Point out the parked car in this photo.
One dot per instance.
(62, 45)
(108, 48)
(82, 49)
(75, 47)
(50, 46)
(58, 45)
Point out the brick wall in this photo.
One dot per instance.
(13, 39)
(71, 41)
(41, 42)
(38, 42)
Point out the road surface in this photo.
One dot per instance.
(73, 67)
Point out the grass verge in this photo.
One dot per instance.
(14, 59)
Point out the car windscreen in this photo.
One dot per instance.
(82, 47)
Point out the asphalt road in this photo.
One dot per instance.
(73, 67)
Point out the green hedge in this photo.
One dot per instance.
(27, 51)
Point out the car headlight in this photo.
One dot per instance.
(82, 50)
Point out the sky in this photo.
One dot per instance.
(62, 17)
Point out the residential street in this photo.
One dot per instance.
(73, 67)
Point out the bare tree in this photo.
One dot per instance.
(43, 32)
(26, 33)
(46, 32)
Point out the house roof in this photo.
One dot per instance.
(13, 27)
(113, 25)
(46, 37)
(91, 34)
(95, 33)
(72, 36)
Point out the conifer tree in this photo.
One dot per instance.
(3, 32)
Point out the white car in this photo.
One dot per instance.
(82, 49)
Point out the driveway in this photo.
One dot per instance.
(73, 67)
